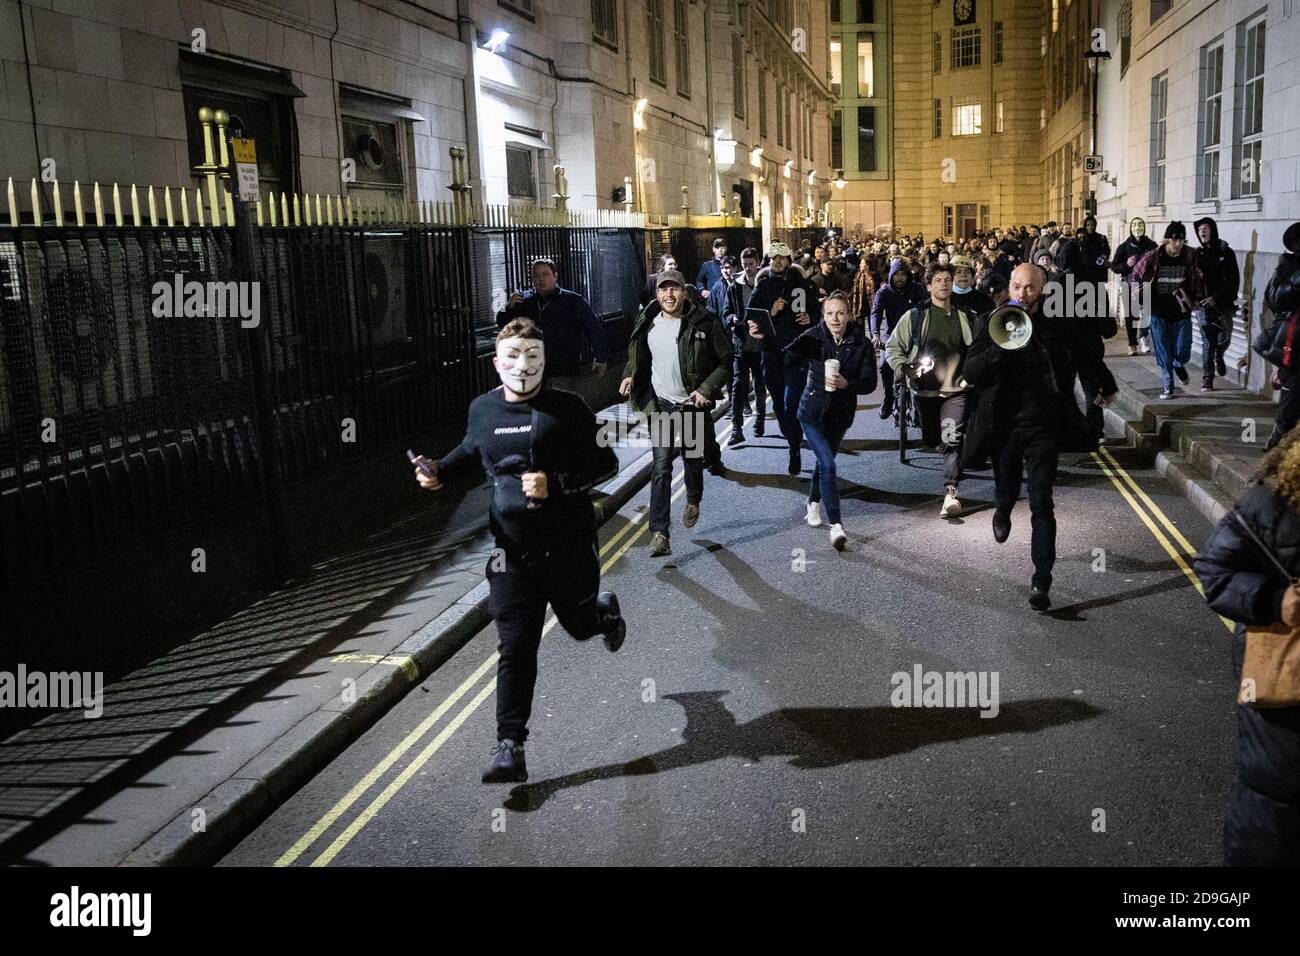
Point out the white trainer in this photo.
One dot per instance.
(814, 514)
(951, 506)
(838, 537)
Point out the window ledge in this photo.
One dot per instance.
(1154, 212)
(1206, 207)
(1245, 204)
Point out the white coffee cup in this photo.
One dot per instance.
(832, 368)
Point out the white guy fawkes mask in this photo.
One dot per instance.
(1139, 228)
(519, 362)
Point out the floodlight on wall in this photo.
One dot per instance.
(638, 113)
(839, 179)
(812, 177)
(756, 157)
(789, 165)
(496, 41)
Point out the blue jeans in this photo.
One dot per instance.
(825, 485)
(1172, 341)
(785, 385)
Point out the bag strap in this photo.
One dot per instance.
(1263, 548)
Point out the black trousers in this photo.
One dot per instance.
(1093, 414)
(1029, 450)
(1288, 410)
(520, 586)
(747, 365)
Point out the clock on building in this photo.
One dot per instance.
(963, 12)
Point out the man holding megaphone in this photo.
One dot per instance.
(1022, 367)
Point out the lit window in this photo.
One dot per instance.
(866, 64)
(967, 119)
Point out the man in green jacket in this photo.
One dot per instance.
(678, 360)
(927, 350)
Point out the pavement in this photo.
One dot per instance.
(353, 702)
(1208, 445)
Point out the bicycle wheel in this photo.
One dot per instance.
(904, 406)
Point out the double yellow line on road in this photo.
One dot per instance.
(1166, 529)
(633, 531)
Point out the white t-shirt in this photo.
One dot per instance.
(665, 369)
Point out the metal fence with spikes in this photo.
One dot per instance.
(130, 442)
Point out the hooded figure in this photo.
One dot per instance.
(1262, 824)
(1218, 264)
(1282, 295)
(894, 299)
(1087, 255)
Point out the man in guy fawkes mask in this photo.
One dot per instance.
(1126, 257)
(538, 444)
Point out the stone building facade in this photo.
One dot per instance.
(728, 92)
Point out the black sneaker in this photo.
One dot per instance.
(718, 469)
(1039, 599)
(759, 430)
(1181, 373)
(614, 621)
(737, 437)
(1207, 383)
(887, 407)
(796, 462)
(507, 764)
(1001, 526)
(1221, 366)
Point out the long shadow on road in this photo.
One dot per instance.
(815, 737)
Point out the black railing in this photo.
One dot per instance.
(131, 455)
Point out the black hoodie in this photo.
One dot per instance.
(1218, 263)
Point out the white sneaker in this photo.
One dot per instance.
(814, 514)
(1142, 344)
(838, 537)
(951, 506)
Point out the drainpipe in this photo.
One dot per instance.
(473, 146)
(708, 108)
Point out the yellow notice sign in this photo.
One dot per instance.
(245, 150)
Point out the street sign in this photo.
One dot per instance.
(246, 168)
(1092, 164)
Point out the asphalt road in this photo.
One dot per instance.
(748, 718)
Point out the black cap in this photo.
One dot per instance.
(1175, 230)
(1291, 239)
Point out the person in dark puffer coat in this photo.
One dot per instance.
(1262, 826)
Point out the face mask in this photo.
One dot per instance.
(1139, 228)
(961, 289)
(520, 363)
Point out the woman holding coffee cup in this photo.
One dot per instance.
(842, 366)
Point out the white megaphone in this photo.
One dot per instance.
(1010, 326)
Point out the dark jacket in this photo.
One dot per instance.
(1086, 256)
(1283, 291)
(727, 304)
(703, 349)
(709, 275)
(1218, 264)
(769, 286)
(1062, 348)
(890, 304)
(974, 302)
(857, 358)
(1241, 584)
(566, 320)
(1132, 246)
